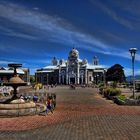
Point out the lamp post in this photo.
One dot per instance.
(133, 52)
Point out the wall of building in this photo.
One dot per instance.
(90, 77)
(47, 77)
(5, 76)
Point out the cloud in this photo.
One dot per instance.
(6, 62)
(20, 35)
(55, 29)
(128, 71)
(127, 22)
(111, 37)
(36, 8)
(131, 7)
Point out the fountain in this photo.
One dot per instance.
(15, 82)
(14, 106)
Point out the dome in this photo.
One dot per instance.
(16, 79)
(74, 53)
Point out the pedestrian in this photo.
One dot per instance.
(54, 101)
(49, 105)
(35, 98)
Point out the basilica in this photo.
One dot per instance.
(71, 71)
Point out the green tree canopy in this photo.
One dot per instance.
(115, 73)
(32, 79)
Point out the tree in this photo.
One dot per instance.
(115, 73)
(32, 79)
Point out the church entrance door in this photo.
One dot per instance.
(72, 80)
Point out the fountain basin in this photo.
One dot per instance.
(21, 109)
(17, 106)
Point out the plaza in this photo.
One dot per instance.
(80, 114)
(80, 78)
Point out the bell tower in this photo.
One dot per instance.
(73, 66)
(95, 60)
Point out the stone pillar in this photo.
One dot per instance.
(59, 74)
(86, 76)
(78, 74)
(67, 73)
(82, 79)
(69, 80)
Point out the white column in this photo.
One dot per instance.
(82, 79)
(67, 73)
(78, 74)
(69, 80)
(86, 76)
(59, 74)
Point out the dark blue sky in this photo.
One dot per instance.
(32, 32)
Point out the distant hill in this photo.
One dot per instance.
(129, 78)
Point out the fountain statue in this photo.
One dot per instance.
(15, 82)
(14, 106)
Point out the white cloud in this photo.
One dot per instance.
(56, 29)
(6, 62)
(128, 71)
(36, 8)
(126, 22)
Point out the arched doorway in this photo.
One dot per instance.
(72, 80)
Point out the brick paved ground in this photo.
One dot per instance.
(81, 114)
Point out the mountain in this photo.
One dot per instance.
(129, 78)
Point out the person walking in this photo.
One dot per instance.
(49, 105)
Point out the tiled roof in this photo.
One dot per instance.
(19, 71)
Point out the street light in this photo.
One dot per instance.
(133, 52)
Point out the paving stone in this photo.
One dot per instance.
(80, 114)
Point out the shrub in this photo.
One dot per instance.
(114, 85)
(106, 92)
(112, 92)
(101, 85)
(122, 97)
(101, 88)
(138, 97)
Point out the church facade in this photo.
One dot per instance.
(71, 71)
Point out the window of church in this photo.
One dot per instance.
(90, 78)
(45, 78)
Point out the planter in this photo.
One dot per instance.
(129, 102)
(119, 102)
(133, 102)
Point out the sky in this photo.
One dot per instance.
(32, 32)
